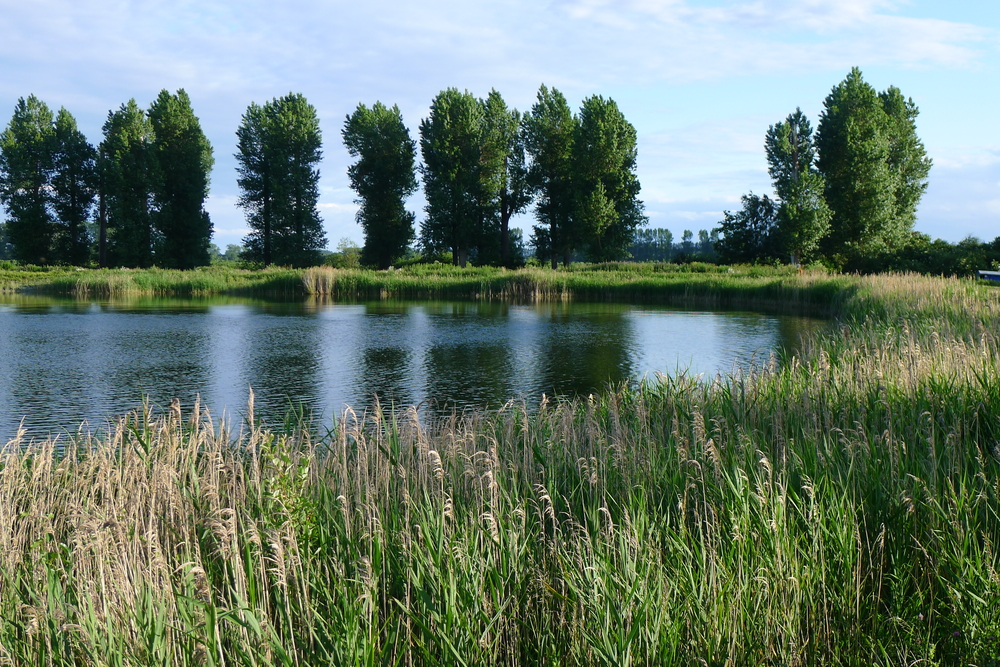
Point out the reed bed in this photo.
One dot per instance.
(772, 288)
(840, 508)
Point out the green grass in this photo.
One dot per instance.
(109, 283)
(841, 509)
(709, 284)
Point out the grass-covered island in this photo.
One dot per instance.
(840, 508)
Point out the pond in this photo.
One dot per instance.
(64, 362)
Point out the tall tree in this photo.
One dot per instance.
(750, 234)
(607, 189)
(505, 176)
(25, 169)
(73, 190)
(907, 156)
(548, 139)
(804, 217)
(129, 176)
(185, 158)
(255, 165)
(383, 177)
(875, 168)
(279, 147)
(451, 146)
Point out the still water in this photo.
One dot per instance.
(64, 362)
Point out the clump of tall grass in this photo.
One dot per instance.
(205, 281)
(766, 288)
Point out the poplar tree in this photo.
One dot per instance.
(185, 159)
(606, 187)
(874, 165)
(907, 156)
(505, 178)
(73, 190)
(383, 177)
(549, 131)
(25, 170)
(129, 176)
(279, 147)
(803, 216)
(450, 143)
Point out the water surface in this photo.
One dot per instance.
(65, 362)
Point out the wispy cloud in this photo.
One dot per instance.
(92, 55)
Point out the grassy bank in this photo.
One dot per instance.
(841, 510)
(704, 285)
(111, 283)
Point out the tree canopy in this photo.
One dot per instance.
(803, 216)
(279, 148)
(383, 177)
(130, 177)
(73, 190)
(850, 194)
(607, 189)
(451, 146)
(549, 131)
(184, 158)
(25, 169)
(874, 165)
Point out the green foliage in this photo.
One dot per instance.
(606, 187)
(383, 177)
(875, 168)
(347, 256)
(549, 131)
(922, 255)
(74, 189)
(25, 167)
(185, 160)
(803, 216)
(451, 145)
(751, 234)
(278, 152)
(130, 178)
(505, 174)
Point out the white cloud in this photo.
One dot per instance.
(91, 55)
(338, 208)
(962, 200)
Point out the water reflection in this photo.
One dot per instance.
(64, 361)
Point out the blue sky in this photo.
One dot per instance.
(700, 80)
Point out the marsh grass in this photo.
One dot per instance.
(775, 289)
(771, 288)
(840, 508)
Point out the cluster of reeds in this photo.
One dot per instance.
(756, 287)
(114, 283)
(841, 507)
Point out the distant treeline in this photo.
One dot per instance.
(846, 196)
(137, 199)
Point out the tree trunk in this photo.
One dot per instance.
(102, 242)
(504, 233)
(267, 217)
